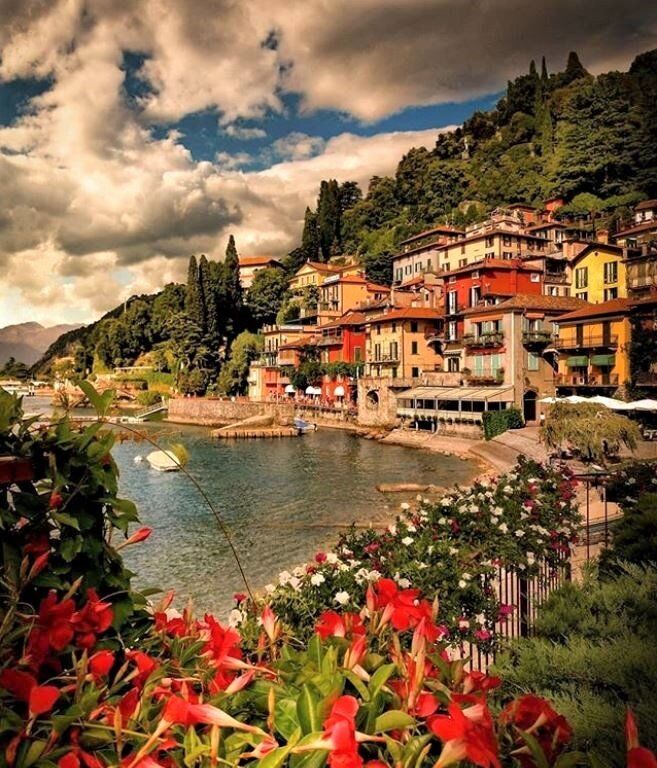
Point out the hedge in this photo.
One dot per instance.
(497, 422)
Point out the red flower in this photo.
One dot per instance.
(637, 756)
(177, 711)
(402, 607)
(93, 619)
(479, 681)
(535, 715)
(101, 663)
(141, 534)
(56, 500)
(320, 557)
(340, 734)
(332, 624)
(39, 698)
(239, 597)
(223, 648)
(145, 665)
(468, 734)
(52, 630)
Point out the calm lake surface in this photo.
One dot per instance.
(275, 495)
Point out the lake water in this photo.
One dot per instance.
(275, 495)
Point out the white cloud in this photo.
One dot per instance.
(241, 132)
(297, 146)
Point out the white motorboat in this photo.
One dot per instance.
(164, 461)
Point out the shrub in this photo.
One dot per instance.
(149, 398)
(497, 422)
(593, 656)
(634, 536)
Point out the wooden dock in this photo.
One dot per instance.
(242, 433)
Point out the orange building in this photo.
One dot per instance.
(249, 265)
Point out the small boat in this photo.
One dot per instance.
(138, 459)
(304, 426)
(164, 461)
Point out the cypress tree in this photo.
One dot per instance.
(545, 78)
(210, 327)
(532, 69)
(234, 297)
(193, 296)
(328, 218)
(310, 236)
(574, 69)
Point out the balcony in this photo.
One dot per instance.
(646, 379)
(267, 360)
(553, 278)
(588, 342)
(382, 357)
(330, 340)
(490, 339)
(537, 338)
(587, 380)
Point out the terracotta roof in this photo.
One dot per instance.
(407, 313)
(349, 318)
(595, 246)
(612, 307)
(531, 301)
(298, 343)
(419, 280)
(646, 205)
(376, 288)
(257, 261)
(433, 231)
(546, 225)
(320, 266)
(645, 227)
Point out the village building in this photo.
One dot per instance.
(420, 253)
(342, 292)
(593, 346)
(399, 343)
(312, 273)
(282, 347)
(250, 265)
(598, 273)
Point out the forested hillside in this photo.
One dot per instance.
(591, 140)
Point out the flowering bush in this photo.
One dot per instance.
(626, 484)
(452, 550)
(90, 676)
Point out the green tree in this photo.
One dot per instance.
(233, 290)
(329, 219)
(14, 369)
(208, 292)
(194, 300)
(266, 296)
(233, 379)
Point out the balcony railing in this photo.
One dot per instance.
(587, 379)
(555, 277)
(536, 337)
(646, 379)
(383, 358)
(495, 339)
(269, 359)
(589, 341)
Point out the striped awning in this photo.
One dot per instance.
(484, 394)
(577, 361)
(604, 360)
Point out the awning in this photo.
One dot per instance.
(290, 389)
(339, 391)
(603, 360)
(485, 394)
(577, 361)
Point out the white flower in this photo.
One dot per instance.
(503, 527)
(316, 579)
(342, 567)
(284, 577)
(373, 576)
(422, 566)
(442, 521)
(463, 583)
(507, 489)
(392, 529)
(531, 558)
(235, 618)
(407, 541)
(466, 576)
(405, 505)
(445, 501)
(341, 598)
(411, 528)
(497, 511)
(295, 583)
(331, 558)
(430, 549)
(519, 533)
(404, 583)
(464, 624)
(453, 551)
(270, 589)
(480, 618)
(299, 571)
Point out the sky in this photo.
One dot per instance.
(134, 133)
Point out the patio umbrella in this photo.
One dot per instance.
(576, 399)
(645, 405)
(549, 400)
(612, 403)
(290, 389)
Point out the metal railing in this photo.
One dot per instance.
(588, 379)
(488, 339)
(537, 337)
(587, 341)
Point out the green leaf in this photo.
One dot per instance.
(358, 684)
(33, 753)
(540, 761)
(63, 518)
(69, 548)
(277, 757)
(572, 759)
(393, 720)
(95, 399)
(308, 710)
(287, 720)
(380, 678)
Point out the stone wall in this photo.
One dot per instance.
(377, 401)
(215, 413)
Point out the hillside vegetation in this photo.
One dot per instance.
(591, 140)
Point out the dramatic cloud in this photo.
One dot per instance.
(97, 204)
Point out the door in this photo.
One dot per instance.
(529, 406)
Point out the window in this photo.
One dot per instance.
(418, 266)
(475, 295)
(414, 347)
(463, 262)
(610, 293)
(394, 351)
(415, 372)
(378, 330)
(451, 302)
(507, 255)
(611, 272)
(394, 327)
(490, 242)
(535, 277)
(377, 351)
(357, 354)
(453, 364)
(451, 330)
(475, 274)
(584, 295)
(532, 361)
(582, 277)
(413, 326)
(506, 240)
(452, 279)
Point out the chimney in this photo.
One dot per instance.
(572, 247)
(602, 235)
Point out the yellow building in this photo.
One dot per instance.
(593, 348)
(311, 273)
(598, 273)
(341, 292)
(398, 343)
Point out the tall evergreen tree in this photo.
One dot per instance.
(233, 288)
(194, 305)
(310, 236)
(545, 78)
(328, 218)
(211, 320)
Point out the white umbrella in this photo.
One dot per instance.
(549, 400)
(310, 390)
(576, 399)
(290, 389)
(339, 391)
(612, 403)
(645, 405)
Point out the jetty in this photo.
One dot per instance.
(255, 427)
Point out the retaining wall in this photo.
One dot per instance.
(216, 413)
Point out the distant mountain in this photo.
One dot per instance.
(26, 342)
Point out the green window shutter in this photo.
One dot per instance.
(603, 360)
(577, 361)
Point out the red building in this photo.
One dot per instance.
(342, 341)
(485, 282)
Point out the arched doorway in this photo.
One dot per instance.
(529, 405)
(372, 399)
